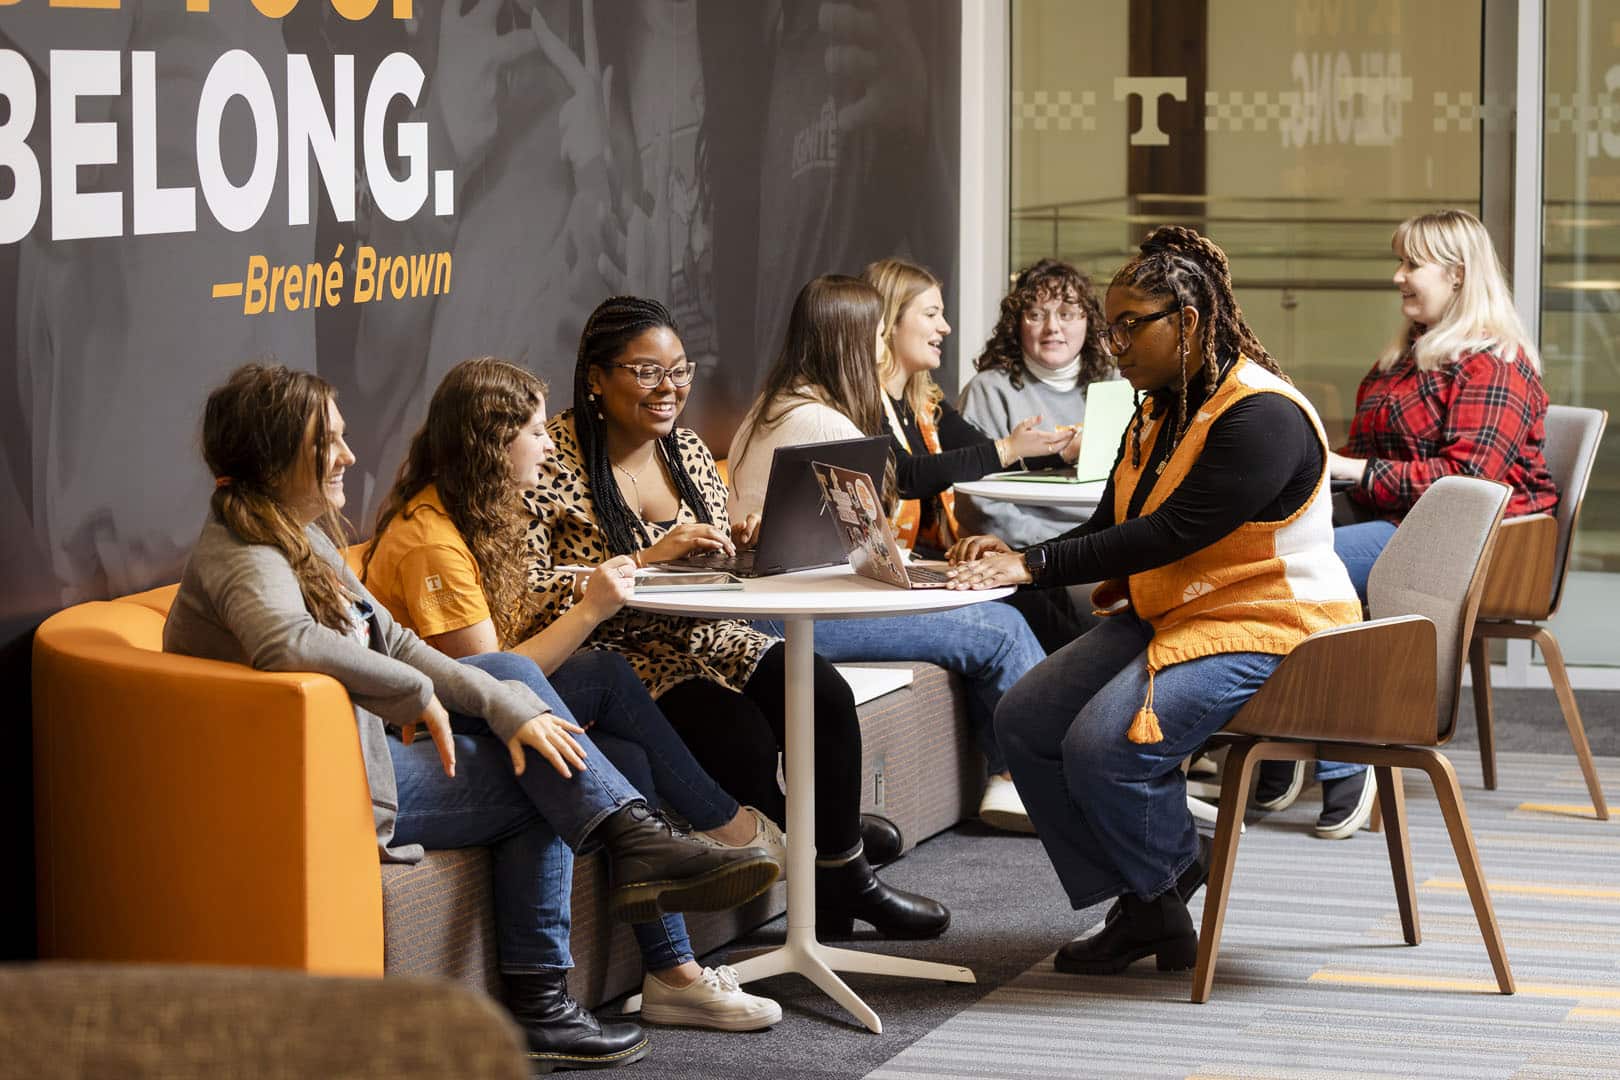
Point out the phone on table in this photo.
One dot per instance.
(657, 583)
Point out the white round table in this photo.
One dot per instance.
(1035, 493)
(798, 600)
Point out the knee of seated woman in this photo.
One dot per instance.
(506, 665)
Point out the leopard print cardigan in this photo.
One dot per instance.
(664, 650)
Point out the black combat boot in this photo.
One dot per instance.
(850, 891)
(1161, 928)
(562, 1033)
(653, 869)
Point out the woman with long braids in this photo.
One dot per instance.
(507, 766)
(822, 388)
(1214, 543)
(625, 480)
(447, 561)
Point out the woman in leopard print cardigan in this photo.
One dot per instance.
(626, 481)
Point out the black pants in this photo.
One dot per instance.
(736, 738)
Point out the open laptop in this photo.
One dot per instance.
(864, 531)
(1109, 408)
(795, 532)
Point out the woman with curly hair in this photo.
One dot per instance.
(447, 561)
(1045, 350)
(1214, 543)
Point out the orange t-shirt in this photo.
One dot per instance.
(424, 573)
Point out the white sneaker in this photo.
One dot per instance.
(1001, 808)
(712, 1000)
(766, 835)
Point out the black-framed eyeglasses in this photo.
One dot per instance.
(1116, 336)
(649, 375)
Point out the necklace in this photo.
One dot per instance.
(635, 488)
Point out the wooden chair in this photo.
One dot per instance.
(1382, 693)
(1526, 582)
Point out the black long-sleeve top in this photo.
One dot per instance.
(1261, 462)
(965, 453)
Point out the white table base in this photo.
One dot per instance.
(802, 954)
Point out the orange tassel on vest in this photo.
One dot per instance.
(1145, 728)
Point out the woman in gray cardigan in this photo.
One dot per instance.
(507, 766)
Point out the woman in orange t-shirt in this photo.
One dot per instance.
(447, 562)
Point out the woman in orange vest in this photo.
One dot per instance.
(1214, 543)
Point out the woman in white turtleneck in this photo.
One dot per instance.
(1038, 362)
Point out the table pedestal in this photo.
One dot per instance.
(803, 954)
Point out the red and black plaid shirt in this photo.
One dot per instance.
(1477, 416)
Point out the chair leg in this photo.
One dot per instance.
(1392, 799)
(1479, 666)
(1449, 794)
(1237, 783)
(1554, 656)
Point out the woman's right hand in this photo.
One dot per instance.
(609, 588)
(437, 720)
(552, 737)
(1026, 440)
(684, 540)
(970, 548)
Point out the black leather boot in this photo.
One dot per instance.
(653, 869)
(562, 1034)
(1188, 882)
(852, 891)
(1161, 928)
(881, 840)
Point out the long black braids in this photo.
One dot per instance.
(1176, 261)
(616, 322)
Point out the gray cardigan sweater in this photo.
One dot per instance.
(240, 603)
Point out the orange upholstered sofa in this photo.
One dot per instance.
(193, 811)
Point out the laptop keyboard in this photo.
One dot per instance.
(740, 564)
(925, 574)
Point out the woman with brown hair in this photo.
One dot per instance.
(266, 585)
(625, 480)
(822, 388)
(447, 561)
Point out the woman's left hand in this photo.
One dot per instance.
(991, 572)
(745, 532)
(1346, 468)
(547, 734)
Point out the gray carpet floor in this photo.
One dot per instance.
(1009, 915)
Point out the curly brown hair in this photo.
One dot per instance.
(479, 408)
(1035, 285)
(1175, 261)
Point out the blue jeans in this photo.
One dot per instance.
(989, 645)
(1358, 547)
(1112, 813)
(533, 822)
(604, 691)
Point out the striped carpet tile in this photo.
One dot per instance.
(1313, 980)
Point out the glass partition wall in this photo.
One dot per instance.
(1297, 134)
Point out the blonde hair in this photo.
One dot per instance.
(1481, 316)
(899, 283)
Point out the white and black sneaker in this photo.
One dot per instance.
(1346, 805)
(1279, 784)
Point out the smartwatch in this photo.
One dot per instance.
(1035, 562)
